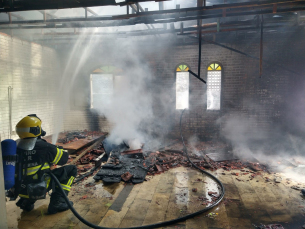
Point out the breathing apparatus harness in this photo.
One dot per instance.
(15, 164)
(36, 189)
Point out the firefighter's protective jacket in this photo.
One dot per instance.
(43, 154)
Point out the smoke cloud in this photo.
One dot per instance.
(129, 99)
(272, 145)
(132, 106)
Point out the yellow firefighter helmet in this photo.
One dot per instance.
(29, 127)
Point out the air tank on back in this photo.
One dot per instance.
(9, 148)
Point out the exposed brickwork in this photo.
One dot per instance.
(262, 101)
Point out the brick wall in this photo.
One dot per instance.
(32, 71)
(265, 102)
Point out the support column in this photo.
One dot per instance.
(10, 17)
(161, 7)
(199, 24)
(261, 49)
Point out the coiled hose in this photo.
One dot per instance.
(156, 225)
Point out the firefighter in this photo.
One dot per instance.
(39, 157)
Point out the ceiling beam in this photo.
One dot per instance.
(224, 36)
(86, 25)
(138, 8)
(92, 12)
(17, 16)
(210, 28)
(269, 29)
(60, 4)
(44, 12)
(169, 16)
(110, 24)
(26, 5)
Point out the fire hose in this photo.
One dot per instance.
(161, 224)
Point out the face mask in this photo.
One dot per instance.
(43, 133)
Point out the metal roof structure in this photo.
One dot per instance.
(54, 20)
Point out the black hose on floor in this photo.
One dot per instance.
(162, 224)
(201, 170)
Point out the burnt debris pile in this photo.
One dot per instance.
(127, 167)
(122, 164)
(113, 163)
(72, 136)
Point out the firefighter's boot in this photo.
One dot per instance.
(58, 203)
(26, 204)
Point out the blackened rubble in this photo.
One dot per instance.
(118, 165)
(128, 165)
(72, 136)
(88, 163)
(91, 156)
(160, 161)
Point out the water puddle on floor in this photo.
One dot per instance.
(181, 188)
(182, 196)
(210, 186)
(105, 190)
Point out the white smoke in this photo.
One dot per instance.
(134, 107)
(192, 142)
(241, 131)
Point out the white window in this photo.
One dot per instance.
(214, 87)
(101, 90)
(182, 87)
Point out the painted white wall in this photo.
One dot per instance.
(32, 71)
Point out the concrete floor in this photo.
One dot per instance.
(168, 196)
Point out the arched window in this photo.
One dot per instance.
(104, 81)
(182, 87)
(213, 86)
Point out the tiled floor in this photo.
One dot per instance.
(168, 196)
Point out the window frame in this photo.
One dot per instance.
(175, 77)
(221, 86)
(91, 86)
(100, 70)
